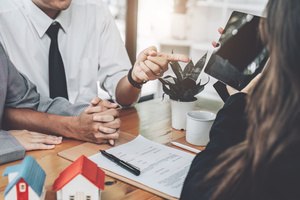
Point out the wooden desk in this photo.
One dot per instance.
(150, 119)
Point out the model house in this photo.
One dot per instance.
(26, 181)
(82, 180)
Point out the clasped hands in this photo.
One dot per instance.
(98, 123)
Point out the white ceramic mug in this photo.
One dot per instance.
(198, 126)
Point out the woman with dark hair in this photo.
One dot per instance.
(254, 149)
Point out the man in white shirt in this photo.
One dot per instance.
(98, 122)
(89, 43)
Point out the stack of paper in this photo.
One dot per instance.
(162, 168)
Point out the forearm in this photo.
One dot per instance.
(82, 127)
(31, 120)
(126, 94)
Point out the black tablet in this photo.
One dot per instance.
(241, 54)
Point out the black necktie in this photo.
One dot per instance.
(57, 77)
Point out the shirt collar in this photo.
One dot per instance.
(41, 21)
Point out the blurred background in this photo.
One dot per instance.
(181, 26)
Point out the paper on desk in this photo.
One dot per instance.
(162, 168)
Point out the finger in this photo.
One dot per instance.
(140, 73)
(175, 57)
(104, 136)
(220, 30)
(114, 112)
(95, 109)
(103, 118)
(154, 69)
(116, 124)
(137, 73)
(149, 74)
(40, 146)
(36, 134)
(215, 44)
(150, 51)
(43, 137)
(160, 61)
(107, 130)
(109, 104)
(47, 140)
(95, 101)
(111, 142)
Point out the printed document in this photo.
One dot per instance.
(162, 168)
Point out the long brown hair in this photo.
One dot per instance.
(273, 110)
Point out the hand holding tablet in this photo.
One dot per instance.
(241, 54)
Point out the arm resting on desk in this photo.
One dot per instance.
(82, 127)
(18, 119)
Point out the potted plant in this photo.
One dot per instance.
(182, 90)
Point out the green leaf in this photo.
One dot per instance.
(188, 70)
(201, 62)
(177, 70)
(198, 68)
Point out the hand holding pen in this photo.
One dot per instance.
(107, 115)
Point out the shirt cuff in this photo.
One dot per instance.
(60, 106)
(110, 83)
(10, 148)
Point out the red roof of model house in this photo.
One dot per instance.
(82, 166)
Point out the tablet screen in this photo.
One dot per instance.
(241, 54)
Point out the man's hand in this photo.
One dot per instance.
(97, 124)
(35, 141)
(104, 103)
(151, 64)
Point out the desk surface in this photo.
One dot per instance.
(151, 119)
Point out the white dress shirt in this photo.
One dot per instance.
(89, 42)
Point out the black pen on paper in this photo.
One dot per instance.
(129, 167)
